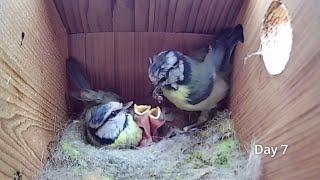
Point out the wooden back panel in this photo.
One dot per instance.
(282, 109)
(199, 16)
(32, 84)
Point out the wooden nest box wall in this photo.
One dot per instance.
(113, 40)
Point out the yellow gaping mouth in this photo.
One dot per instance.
(141, 109)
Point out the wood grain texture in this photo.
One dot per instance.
(161, 12)
(199, 16)
(193, 15)
(202, 15)
(32, 84)
(99, 15)
(119, 60)
(123, 15)
(282, 109)
(141, 15)
(182, 15)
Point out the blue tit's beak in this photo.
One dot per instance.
(127, 105)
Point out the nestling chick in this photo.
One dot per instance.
(107, 120)
(197, 82)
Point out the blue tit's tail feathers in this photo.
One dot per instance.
(76, 74)
(235, 36)
(232, 37)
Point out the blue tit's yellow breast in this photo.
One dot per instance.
(178, 97)
(130, 136)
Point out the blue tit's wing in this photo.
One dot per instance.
(215, 63)
(98, 117)
(113, 127)
(107, 96)
(97, 97)
(201, 82)
(89, 113)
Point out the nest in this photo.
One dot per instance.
(210, 153)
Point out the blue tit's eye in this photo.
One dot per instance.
(113, 113)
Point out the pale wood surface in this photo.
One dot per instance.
(274, 110)
(282, 109)
(32, 84)
(200, 16)
(119, 60)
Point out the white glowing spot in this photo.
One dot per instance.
(276, 49)
(276, 38)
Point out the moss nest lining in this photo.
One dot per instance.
(210, 153)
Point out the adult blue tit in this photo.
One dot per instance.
(112, 125)
(197, 81)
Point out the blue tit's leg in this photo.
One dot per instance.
(173, 131)
(203, 118)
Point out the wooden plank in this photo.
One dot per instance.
(282, 109)
(123, 15)
(152, 15)
(124, 65)
(222, 20)
(32, 84)
(63, 17)
(235, 8)
(77, 16)
(171, 15)
(70, 18)
(161, 12)
(214, 13)
(72, 14)
(100, 59)
(99, 14)
(193, 15)
(218, 12)
(182, 15)
(143, 50)
(94, 44)
(83, 8)
(108, 76)
(201, 17)
(141, 15)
